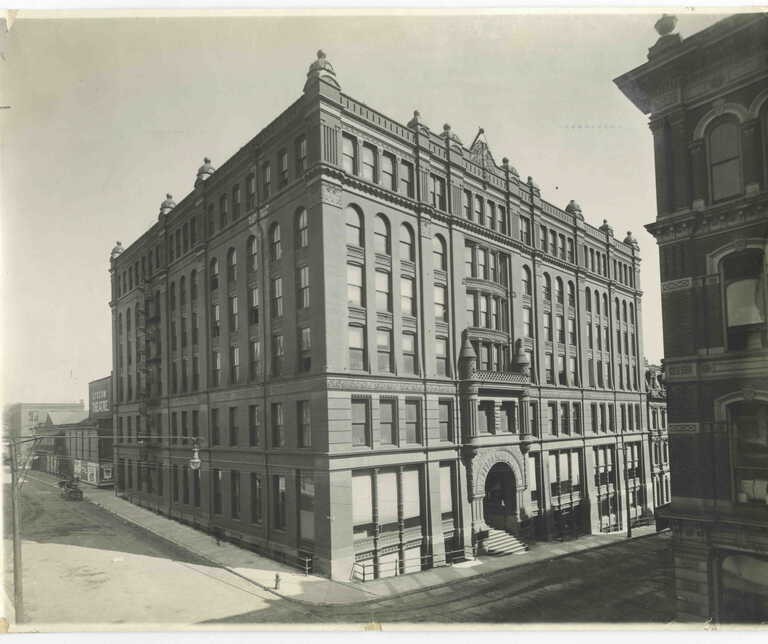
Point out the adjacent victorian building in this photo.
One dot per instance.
(387, 348)
(707, 98)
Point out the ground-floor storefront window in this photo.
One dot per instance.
(743, 588)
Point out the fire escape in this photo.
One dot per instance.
(148, 387)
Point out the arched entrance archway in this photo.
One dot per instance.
(500, 502)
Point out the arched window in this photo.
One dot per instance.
(302, 229)
(253, 256)
(526, 280)
(724, 143)
(172, 297)
(128, 319)
(597, 303)
(631, 313)
(588, 298)
(214, 274)
(354, 227)
(275, 247)
(744, 298)
(624, 311)
(381, 239)
(571, 295)
(183, 291)
(559, 290)
(231, 265)
(120, 324)
(438, 253)
(618, 309)
(406, 243)
(193, 286)
(157, 304)
(137, 313)
(606, 310)
(547, 287)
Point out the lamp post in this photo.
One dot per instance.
(625, 450)
(17, 478)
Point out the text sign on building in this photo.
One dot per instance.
(100, 397)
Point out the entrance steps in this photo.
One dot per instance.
(499, 542)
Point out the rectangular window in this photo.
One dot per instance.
(278, 354)
(549, 369)
(437, 192)
(234, 318)
(301, 155)
(266, 179)
(216, 368)
(355, 289)
(302, 285)
(253, 311)
(565, 419)
(413, 421)
(388, 421)
(527, 324)
(525, 230)
(357, 353)
(305, 349)
(278, 426)
(410, 361)
(407, 296)
(306, 489)
(283, 167)
(552, 407)
(251, 195)
(360, 427)
(388, 171)
(577, 418)
(254, 359)
(573, 375)
(217, 501)
(441, 356)
(445, 420)
(304, 422)
(548, 326)
(277, 297)
(369, 170)
(236, 202)
(233, 429)
(254, 425)
(279, 502)
(234, 488)
(406, 178)
(383, 291)
(348, 154)
(441, 303)
(572, 331)
(257, 502)
(384, 350)
(215, 320)
(471, 310)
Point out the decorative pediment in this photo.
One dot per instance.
(480, 153)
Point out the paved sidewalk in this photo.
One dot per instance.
(313, 589)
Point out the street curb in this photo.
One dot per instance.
(362, 602)
(493, 573)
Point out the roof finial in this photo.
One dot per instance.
(666, 24)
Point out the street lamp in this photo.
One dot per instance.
(195, 462)
(625, 451)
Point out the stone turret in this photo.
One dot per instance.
(321, 72)
(467, 357)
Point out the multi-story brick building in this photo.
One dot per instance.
(387, 344)
(707, 97)
(79, 444)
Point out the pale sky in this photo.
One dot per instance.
(108, 115)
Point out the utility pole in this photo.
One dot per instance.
(18, 591)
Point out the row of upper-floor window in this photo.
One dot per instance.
(486, 264)
(183, 239)
(408, 362)
(185, 375)
(381, 167)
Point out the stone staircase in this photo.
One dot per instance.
(499, 542)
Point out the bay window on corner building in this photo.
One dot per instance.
(404, 333)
